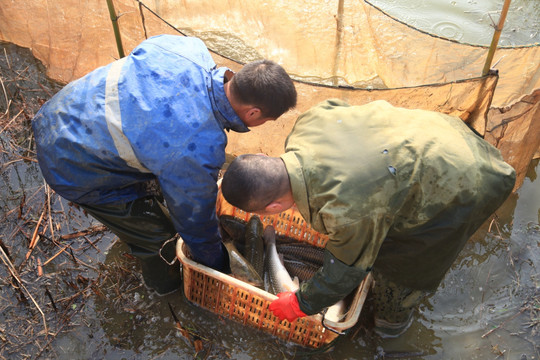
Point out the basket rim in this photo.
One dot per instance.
(217, 274)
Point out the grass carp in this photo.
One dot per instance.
(270, 265)
(336, 312)
(301, 269)
(233, 229)
(279, 279)
(254, 244)
(232, 233)
(241, 268)
(301, 259)
(303, 252)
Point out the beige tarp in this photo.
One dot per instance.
(334, 42)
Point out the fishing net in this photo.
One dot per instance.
(346, 49)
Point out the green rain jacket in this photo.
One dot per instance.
(396, 189)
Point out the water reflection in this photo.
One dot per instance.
(481, 307)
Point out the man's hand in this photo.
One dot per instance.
(286, 306)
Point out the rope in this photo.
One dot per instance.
(177, 30)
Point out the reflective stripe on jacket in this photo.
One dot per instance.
(159, 113)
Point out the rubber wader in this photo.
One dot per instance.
(145, 225)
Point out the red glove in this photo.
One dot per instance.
(286, 306)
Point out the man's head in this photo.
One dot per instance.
(261, 91)
(257, 183)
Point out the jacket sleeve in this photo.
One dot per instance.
(349, 256)
(333, 282)
(191, 200)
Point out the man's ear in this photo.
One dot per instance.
(253, 113)
(275, 207)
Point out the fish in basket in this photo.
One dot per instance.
(292, 250)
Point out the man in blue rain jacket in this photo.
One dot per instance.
(156, 119)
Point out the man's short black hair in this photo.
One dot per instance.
(266, 85)
(251, 182)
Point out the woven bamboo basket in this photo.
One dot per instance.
(240, 301)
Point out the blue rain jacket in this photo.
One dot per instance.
(159, 113)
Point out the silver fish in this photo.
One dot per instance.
(241, 268)
(254, 244)
(279, 279)
(336, 312)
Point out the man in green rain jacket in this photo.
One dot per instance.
(397, 191)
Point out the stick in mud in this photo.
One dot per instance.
(13, 272)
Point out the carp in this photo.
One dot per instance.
(254, 244)
(241, 268)
(302, 252)
(278, 279)
(233, 229)
(301, 269)
(336, 312)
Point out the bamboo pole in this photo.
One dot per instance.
(116, 29)
(339, 42)
(496, 36)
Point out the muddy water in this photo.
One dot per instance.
(493, 286)
(469, 21)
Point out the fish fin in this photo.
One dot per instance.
(336, 312)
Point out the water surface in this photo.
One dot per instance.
(469, 21)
